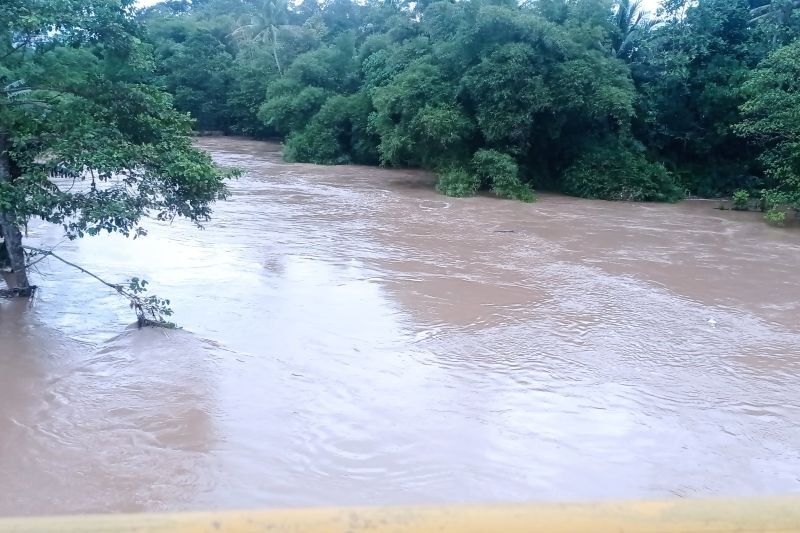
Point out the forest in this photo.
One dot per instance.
(587, 97)
(592, 98)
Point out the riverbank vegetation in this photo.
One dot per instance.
(593, 98)
(88, 141)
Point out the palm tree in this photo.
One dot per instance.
(630, 24)
(260, 25)
(776, 11)
(780, 10)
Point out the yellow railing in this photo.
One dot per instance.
(740, 515)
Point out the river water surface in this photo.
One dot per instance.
(351, 337)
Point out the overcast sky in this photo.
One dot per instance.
(648, 4)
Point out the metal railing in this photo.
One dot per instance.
(780, 514)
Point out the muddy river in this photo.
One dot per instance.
(351, 337)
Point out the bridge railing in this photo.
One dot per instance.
(780, 514)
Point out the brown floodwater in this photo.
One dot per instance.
(351, 337)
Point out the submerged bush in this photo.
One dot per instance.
(457, 182)
(741, 199)
(776, 217)
(772, 199)
(776, 204)
(310, 146)
(619, 172)
(500, 172)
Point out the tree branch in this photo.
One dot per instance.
(25, 102)
(150, 310)
(15, 49)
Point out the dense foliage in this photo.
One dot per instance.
(771, 117)
(87, 141)
(590, 97)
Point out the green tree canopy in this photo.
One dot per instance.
(86, 140)
(771, 120)
(590, 97)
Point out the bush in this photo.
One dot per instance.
(312, 146)
(773, 199)
(741, 199)
(776, 204)
(337, 134)
(457, 182)
(776, 217)
(620, 171)
(501, 173)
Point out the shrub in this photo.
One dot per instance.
(776, 217)
(620, 171)
(501, 173)
(312, 146)
(775, 205)
(773, 199)
(337, 134)
(457, 182)
(741, 199)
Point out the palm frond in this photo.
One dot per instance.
(15, 89)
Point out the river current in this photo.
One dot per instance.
(351, 337)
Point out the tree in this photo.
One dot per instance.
(777, 18)
(630, 26)
(688, 94)
(418, 120)
(260, 25)
(589, 97)
(197, 74)
(250, 73)
(85, 141)
(465, 89)
(771, 120)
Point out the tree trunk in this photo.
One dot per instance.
(12, 262)
(275, 48)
